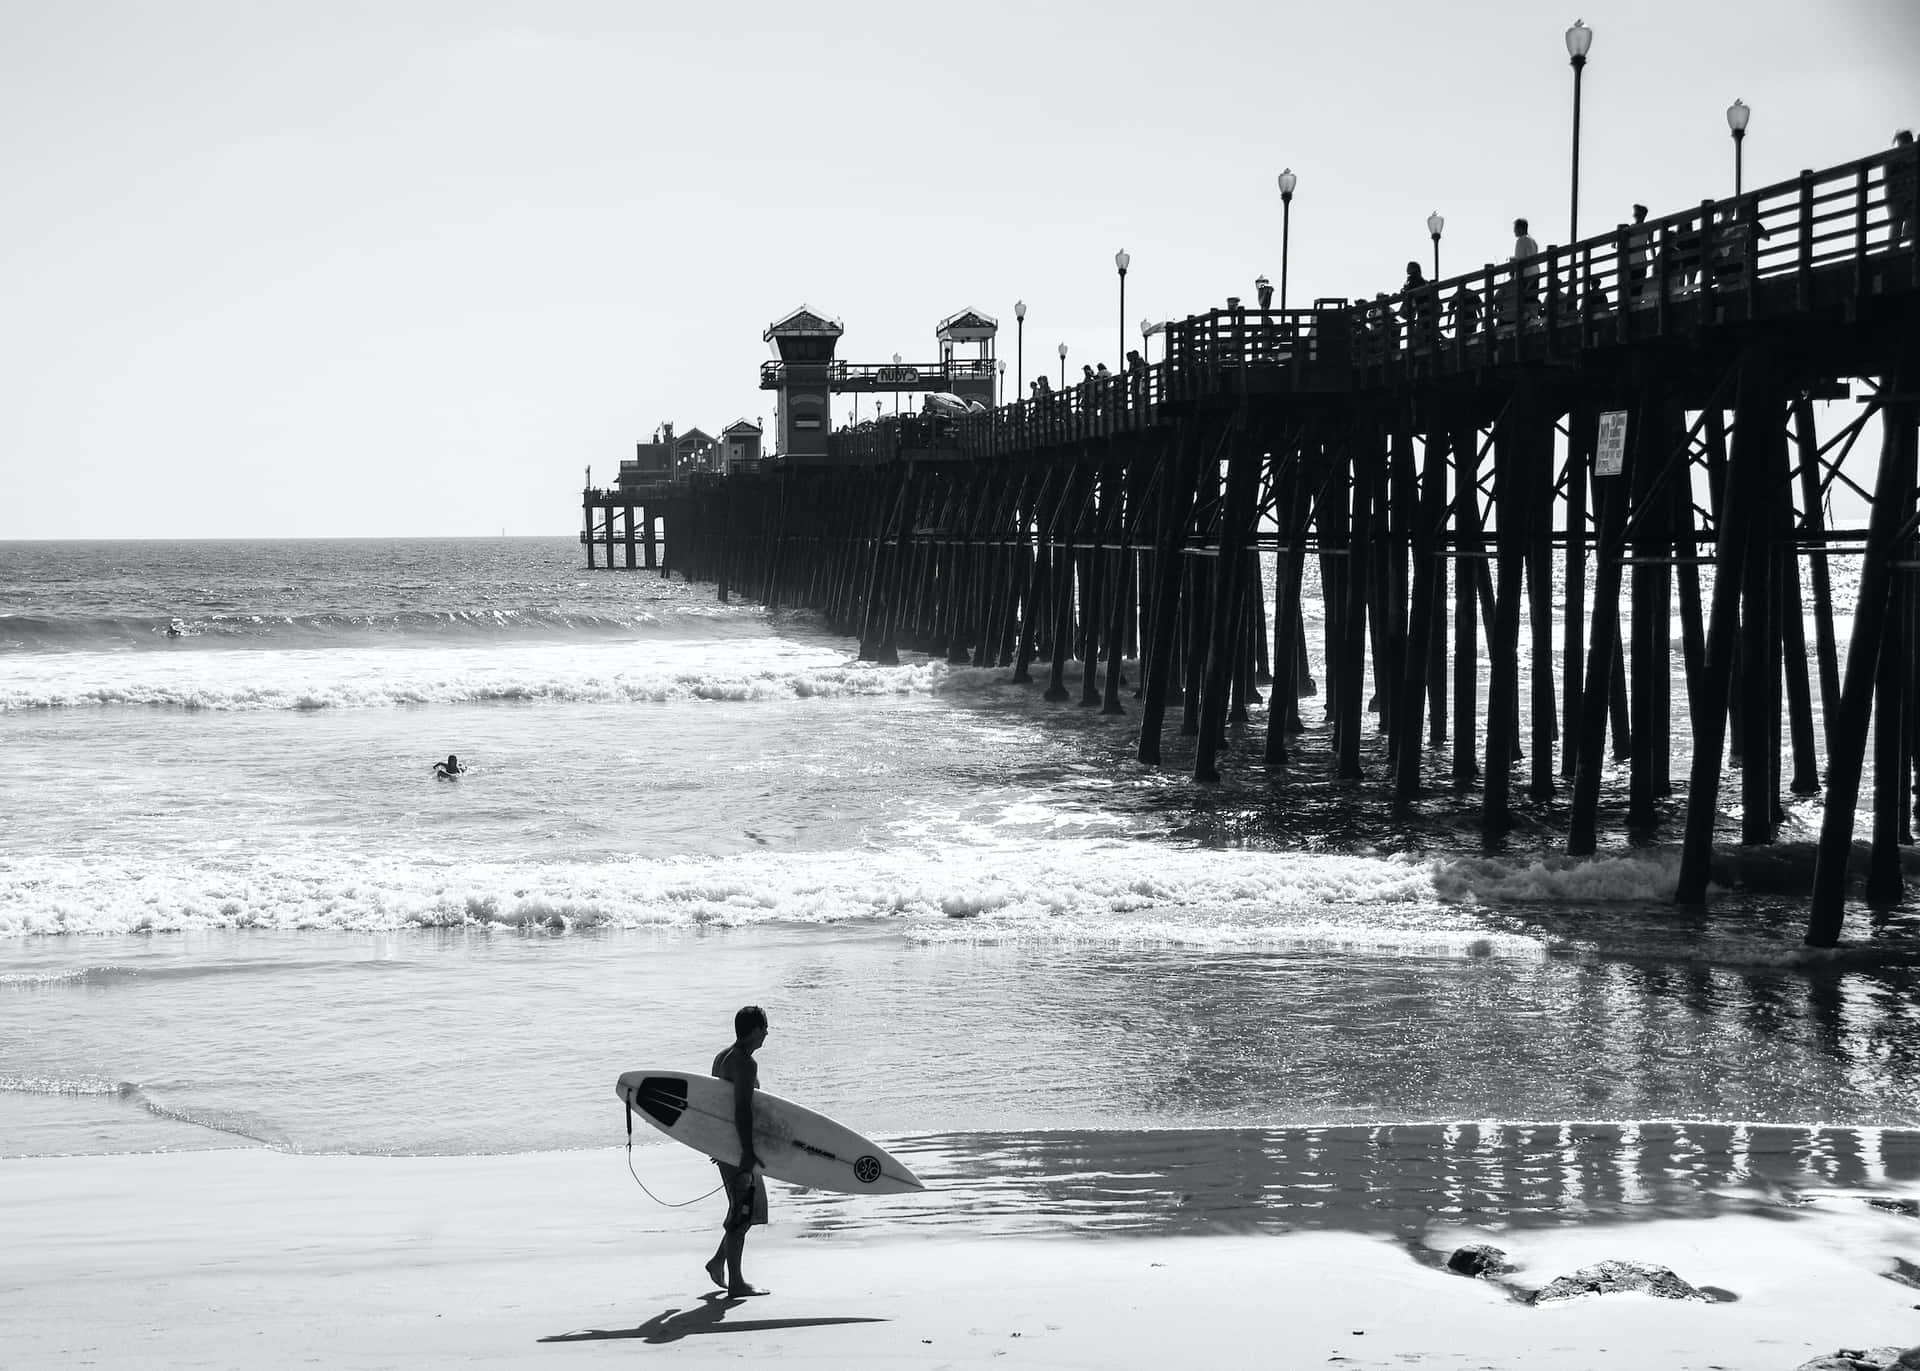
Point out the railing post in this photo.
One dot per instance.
(1625, 287)
(1705, 288)
(1860, 203)
(1803, 293)
(1551, 308)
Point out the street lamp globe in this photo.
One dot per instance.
(1737, 116)
(1120, 259)
(1579, 39)
(1287, 182)
(1063, 352)
(1020, 310)
(1435, 223)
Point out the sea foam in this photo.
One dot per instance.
(1073, 889)
(364, 678)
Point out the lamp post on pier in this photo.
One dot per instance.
(1019, 343)
(1001, 367)
(1579, 39)
(896, 383)
(1737, 116)
(1434, 224)
(1287, 182)
(1063, 366)
(1120, 260)
(1146, 332)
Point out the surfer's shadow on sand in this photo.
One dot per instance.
(709, 1316)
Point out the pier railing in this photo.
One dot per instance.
(882, 376)
(1819, 240)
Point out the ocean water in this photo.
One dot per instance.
(237, 909)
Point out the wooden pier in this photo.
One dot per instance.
(1569, 440)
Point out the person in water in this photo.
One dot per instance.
(447, 770)
(746, 1189)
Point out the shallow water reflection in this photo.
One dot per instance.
(1399, 1179)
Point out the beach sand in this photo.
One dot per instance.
(256, 1258)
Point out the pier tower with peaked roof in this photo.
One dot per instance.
(802, 422)
(969, 378)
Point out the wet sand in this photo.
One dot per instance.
(254, 1258)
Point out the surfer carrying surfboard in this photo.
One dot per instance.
(746, 1189)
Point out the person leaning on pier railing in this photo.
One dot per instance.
(1902, 191)
(1526, 273)
(1466, 308)
(1638, 257)
(1420, 307)
(1736, 241)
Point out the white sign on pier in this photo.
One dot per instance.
(1610, 449)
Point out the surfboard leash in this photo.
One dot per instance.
(665, 1204)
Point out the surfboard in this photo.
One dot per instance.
(793, 1143)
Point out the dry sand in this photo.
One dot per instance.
(258, 1259)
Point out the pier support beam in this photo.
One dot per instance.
(1468, 567)
(1236, 527)
(1612, 502)
(1887, 527)
(1423, 623)
(1756, 423)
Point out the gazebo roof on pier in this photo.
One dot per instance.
(969, 325)
(803, 323)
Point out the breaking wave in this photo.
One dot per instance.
(376, 680)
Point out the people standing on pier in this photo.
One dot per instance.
(1680, 252)
(1903, 190)
(1420, 307)
(1526, 266)
(1735, 242)
(1466, 307)
(1386, 328)
(1639, 253)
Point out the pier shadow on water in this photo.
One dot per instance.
(1397, 1180)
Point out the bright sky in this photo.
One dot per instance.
(408, 267)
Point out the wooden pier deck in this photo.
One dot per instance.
(1528, 443)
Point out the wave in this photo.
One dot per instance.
(64, 1085)
(1068, 888)
(116, 973)
(305, 682)
(1122, 893)
(130, 1092)
(44, 633)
